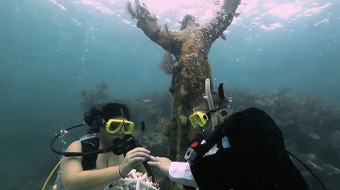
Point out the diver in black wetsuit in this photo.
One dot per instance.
(256, 159)
(245, 151)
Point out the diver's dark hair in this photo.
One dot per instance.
(94, 117)
(112, 110)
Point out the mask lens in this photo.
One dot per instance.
(114, 125)
(205, 118)
(193, 122)
(127, 127)
(198, 119)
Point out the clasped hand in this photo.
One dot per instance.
(162, 163)
(133, 158)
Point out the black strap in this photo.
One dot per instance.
(89, 160)
(188, 187)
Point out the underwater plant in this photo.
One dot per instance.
(168, 63)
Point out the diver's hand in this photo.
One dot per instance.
(132, 158)
(162, 163)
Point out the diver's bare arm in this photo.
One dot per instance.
(157, 33)
(223, 19)
(73, 176)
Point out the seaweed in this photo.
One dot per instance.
(168, 63)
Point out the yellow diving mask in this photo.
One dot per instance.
(114, 125)
(198, 119)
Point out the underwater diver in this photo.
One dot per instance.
(244, 151)
(96, 171)
(205, 115)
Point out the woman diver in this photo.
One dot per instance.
(96, 171)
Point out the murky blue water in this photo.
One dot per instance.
(49, 55)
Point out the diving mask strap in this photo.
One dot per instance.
(210, 103)
(208, 94)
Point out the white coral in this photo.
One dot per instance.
(138, 181)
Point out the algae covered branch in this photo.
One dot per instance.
(190, 47)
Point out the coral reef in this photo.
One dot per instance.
(136, 181)
(163, 126)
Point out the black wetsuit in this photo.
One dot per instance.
(257, 158)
